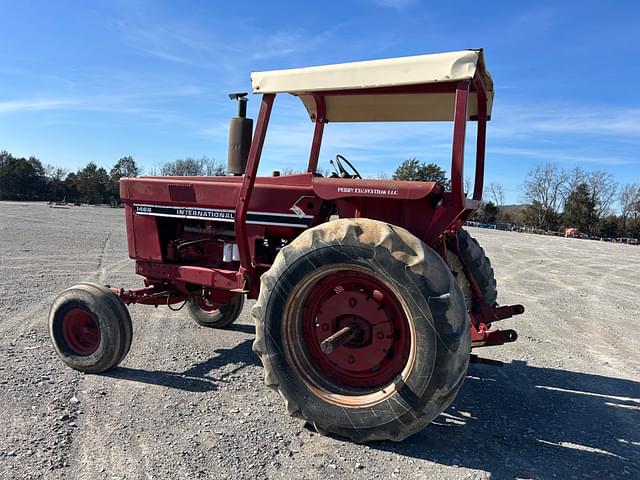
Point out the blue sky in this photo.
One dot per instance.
(93, 81)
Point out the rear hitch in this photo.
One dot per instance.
(483, 337)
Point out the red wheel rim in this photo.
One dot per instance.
(81, 332)
(381, 349)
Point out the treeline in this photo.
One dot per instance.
(582, 199)
(557, 199)
(29, 179)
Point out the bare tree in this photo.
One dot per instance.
(495, 192)
(192, 167)
(55, 173)
(573, 179)
(543, 187)
(629, 200)
(285, 171)
(213, 167)
(604, 190)
(468, 185)
(635, 209)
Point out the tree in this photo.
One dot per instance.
(55, 182)
(468, 185)
(213, 167)
(71, 187)
(635, 209)
(602, 187)
(535, 213)
(629, 199)
(609, 227)
(495, 193)
(284, 171)
(93, 183)
(580, 209)
(125, 167)
(413, 169)
(573, 178)
(191, 167)
(488, 213)
(21, 179)
(603, 190)
(543, 187)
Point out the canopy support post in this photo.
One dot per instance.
(481, 140)
(248, 181)
(317, 133)
(457, 154)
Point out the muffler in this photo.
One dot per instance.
(240, 133)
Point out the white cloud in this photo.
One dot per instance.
(567, 133)
(609, 122)
(116, 102)
(16, 106)
(566, 119)
(557, 155)
(191, 46)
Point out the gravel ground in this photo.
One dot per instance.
(189, 402)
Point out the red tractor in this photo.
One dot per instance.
(370, 295)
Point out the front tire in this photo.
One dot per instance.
(409, 357)
(90, 328)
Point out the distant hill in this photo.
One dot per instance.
(513, 213)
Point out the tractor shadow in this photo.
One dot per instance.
(241, 328)
(521, 421)
(201, 377)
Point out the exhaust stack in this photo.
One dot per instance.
(240, 132)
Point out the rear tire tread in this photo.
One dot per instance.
(420, 260)
(478, 263)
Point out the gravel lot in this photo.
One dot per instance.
(189, 402)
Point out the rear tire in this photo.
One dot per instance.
(90, 328)
(384, 386)
(473, 256)
(209, 315)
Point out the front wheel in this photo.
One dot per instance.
(90, 328)
(363, 330)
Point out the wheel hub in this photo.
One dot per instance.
(81, 331)
(378, 343)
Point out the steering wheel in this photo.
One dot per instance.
(343, 171)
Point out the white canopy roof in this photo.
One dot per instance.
(393, 72)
